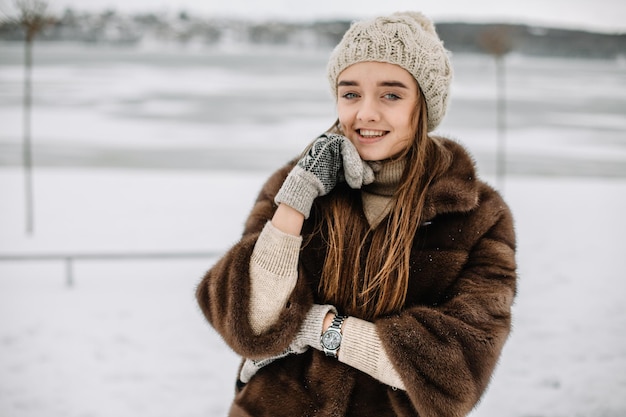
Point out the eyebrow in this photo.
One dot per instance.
(347, 83)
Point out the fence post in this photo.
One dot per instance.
(69, 272)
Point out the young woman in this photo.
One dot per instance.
(375, 274)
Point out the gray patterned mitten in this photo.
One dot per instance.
(331, 158)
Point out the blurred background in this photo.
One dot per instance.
(134, 136)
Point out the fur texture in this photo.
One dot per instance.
(444, 344)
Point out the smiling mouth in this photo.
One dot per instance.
(371, 134)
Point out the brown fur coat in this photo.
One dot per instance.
(444, 344)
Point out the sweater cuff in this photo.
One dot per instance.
(299, 190)
(273, 275)
(362, 349)
(311, 330)
(276, 252)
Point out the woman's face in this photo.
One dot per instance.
(376, 103)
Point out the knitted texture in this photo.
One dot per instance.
(273, 275)
(309, 335)
(378, 196)
(407, 39)
(330, 158)
(362, 349)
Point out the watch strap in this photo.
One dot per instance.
(337, 322)
(335, 326)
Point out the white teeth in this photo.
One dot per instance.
(371, 133)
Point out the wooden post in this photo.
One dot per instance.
(497, 41)
(69, 272)
(501, 123)
(32, 16)
(27, 155)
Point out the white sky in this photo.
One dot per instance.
(604, 15)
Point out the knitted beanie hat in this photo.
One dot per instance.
(407, 39)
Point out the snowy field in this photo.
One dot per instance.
(164, 150)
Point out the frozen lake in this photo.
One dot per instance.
(252, 109)
(164, 150)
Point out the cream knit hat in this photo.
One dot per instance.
(407, 39)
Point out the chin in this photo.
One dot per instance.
(371, 152)
(370, 157)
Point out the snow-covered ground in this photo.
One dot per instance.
(146, 153)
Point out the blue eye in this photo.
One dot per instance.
(349, 96)
(392, 97)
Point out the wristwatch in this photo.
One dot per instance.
(331, 339)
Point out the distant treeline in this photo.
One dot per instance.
(534, 40)
(111, 27)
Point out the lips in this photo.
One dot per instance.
(371, 134)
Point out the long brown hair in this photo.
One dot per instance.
(366, 269)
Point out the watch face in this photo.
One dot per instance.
(331, 339)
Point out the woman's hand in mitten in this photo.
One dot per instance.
(330, 158)
(356, 171)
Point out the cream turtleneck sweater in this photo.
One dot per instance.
(377, 196)
(274, 272)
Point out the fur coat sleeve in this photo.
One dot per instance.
(446, 350)
(225, 288)
(447, 340)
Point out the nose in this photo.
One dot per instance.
(368, 111)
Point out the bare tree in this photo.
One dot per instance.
(497, 41)
(32, 17)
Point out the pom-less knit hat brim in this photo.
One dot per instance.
(407, 39)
